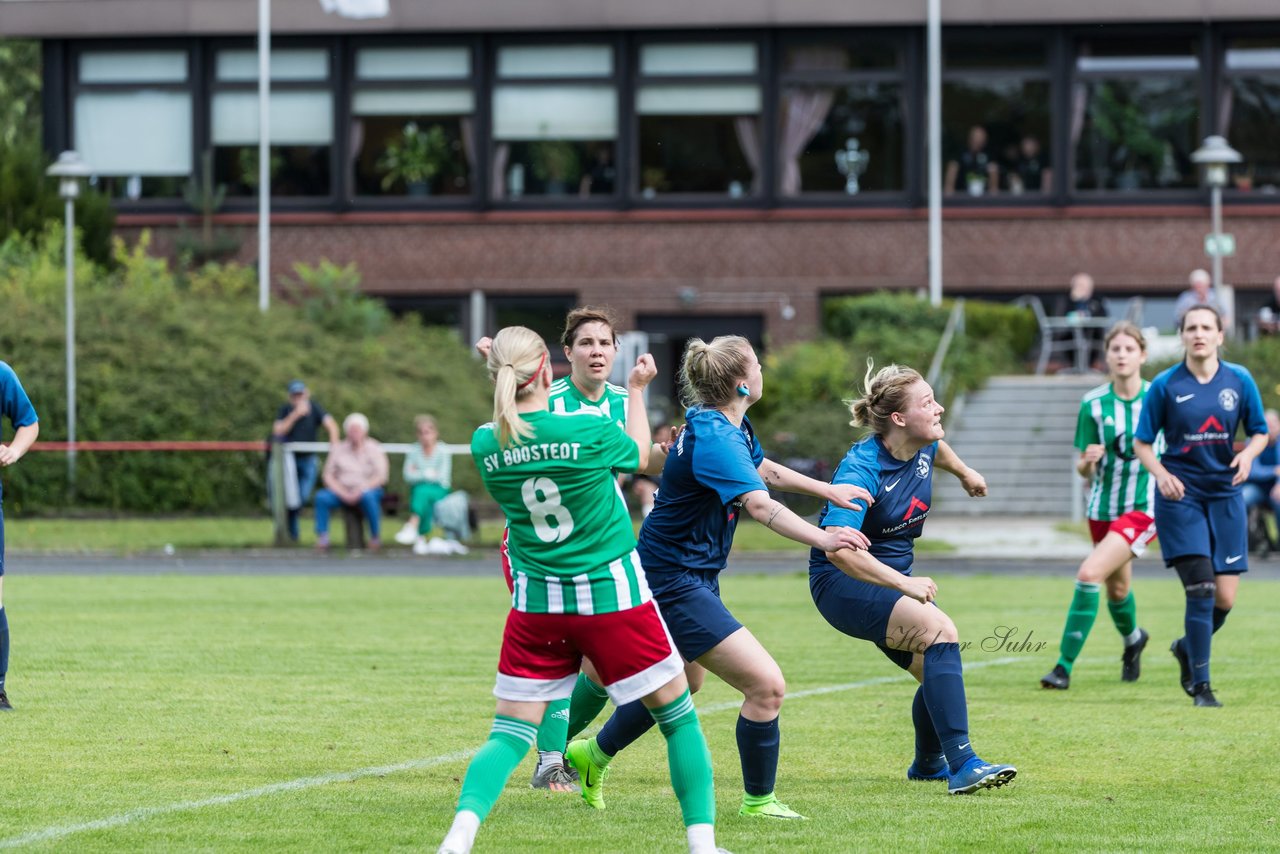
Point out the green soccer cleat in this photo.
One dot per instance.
(772, 808)
(590, 775)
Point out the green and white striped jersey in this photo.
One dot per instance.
(565, 397)
(1120, 483)
(570, 539)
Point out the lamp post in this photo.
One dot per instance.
(1215, 155)
(69, 169)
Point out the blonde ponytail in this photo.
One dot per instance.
(516, 359)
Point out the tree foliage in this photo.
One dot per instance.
(804, 411)
(188, 356)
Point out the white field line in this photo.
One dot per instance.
(143, 813)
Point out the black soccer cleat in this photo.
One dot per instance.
(1184, 665)
(1202, 694)
(1057, 678)
(5, 705)
(1131, 661)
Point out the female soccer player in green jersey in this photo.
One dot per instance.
(590, 343)
(1120, 509)
(578, 587)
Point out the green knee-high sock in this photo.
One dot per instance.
(509, 741)
(587, 701)
(554, 730)
(1080, 617)
(1124, 614)
(689, 759)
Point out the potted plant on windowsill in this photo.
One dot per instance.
(415, 158)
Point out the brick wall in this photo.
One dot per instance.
(745, 262)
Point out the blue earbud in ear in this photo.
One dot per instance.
(744, 390)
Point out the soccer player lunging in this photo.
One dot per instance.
(872, 594)
(1199, 404)
(579, 588)
(715, 470)
(1119, 507)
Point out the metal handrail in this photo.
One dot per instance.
(955, 325)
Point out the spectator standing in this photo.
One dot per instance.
(1200, 293)
(16, 406)
(1080, 303)
(300, 420)
(354, 475)
(973, 172)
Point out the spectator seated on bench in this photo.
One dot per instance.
(428, 472)
(453, 517)
(354, 476)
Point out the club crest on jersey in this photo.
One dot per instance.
(1228, 399)
(922, 467)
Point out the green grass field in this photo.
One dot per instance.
(138, 535)
(321, 714)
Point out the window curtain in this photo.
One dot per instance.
(468, 130)
(745, 128)
(501, 154)
(804, 112)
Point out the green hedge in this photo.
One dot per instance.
(803, 414)
(188, 356)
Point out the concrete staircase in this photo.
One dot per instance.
(1017, 431)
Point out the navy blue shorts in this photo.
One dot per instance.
(694, 614)
(858, 609)
(1, 530)
(1213, 527)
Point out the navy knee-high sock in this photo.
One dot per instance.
(1198, 623)
(928, 747)
(4, 646)
(1219, 617)
(625, 725)
(758, 744)
(943, 688)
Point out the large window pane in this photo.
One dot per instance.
(840, 139)
(699, 154)
(1135, 132)
(995, 135)
(1250, 113)
(301, 140)
(413, 141)
(304, 118)
(144, 133)
(559, 112)
(552, 140)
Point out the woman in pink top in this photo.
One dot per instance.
(354, 475)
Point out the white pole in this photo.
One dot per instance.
(935, 151)
(71, 347)
(264, 154)
(1218, 289)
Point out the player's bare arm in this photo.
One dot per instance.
(778, 476)
(864, 566)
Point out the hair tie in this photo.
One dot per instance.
(535, 373)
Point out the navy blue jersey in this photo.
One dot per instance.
(903, 491)
(14, 403)
(696, 509)
(1200, 421)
